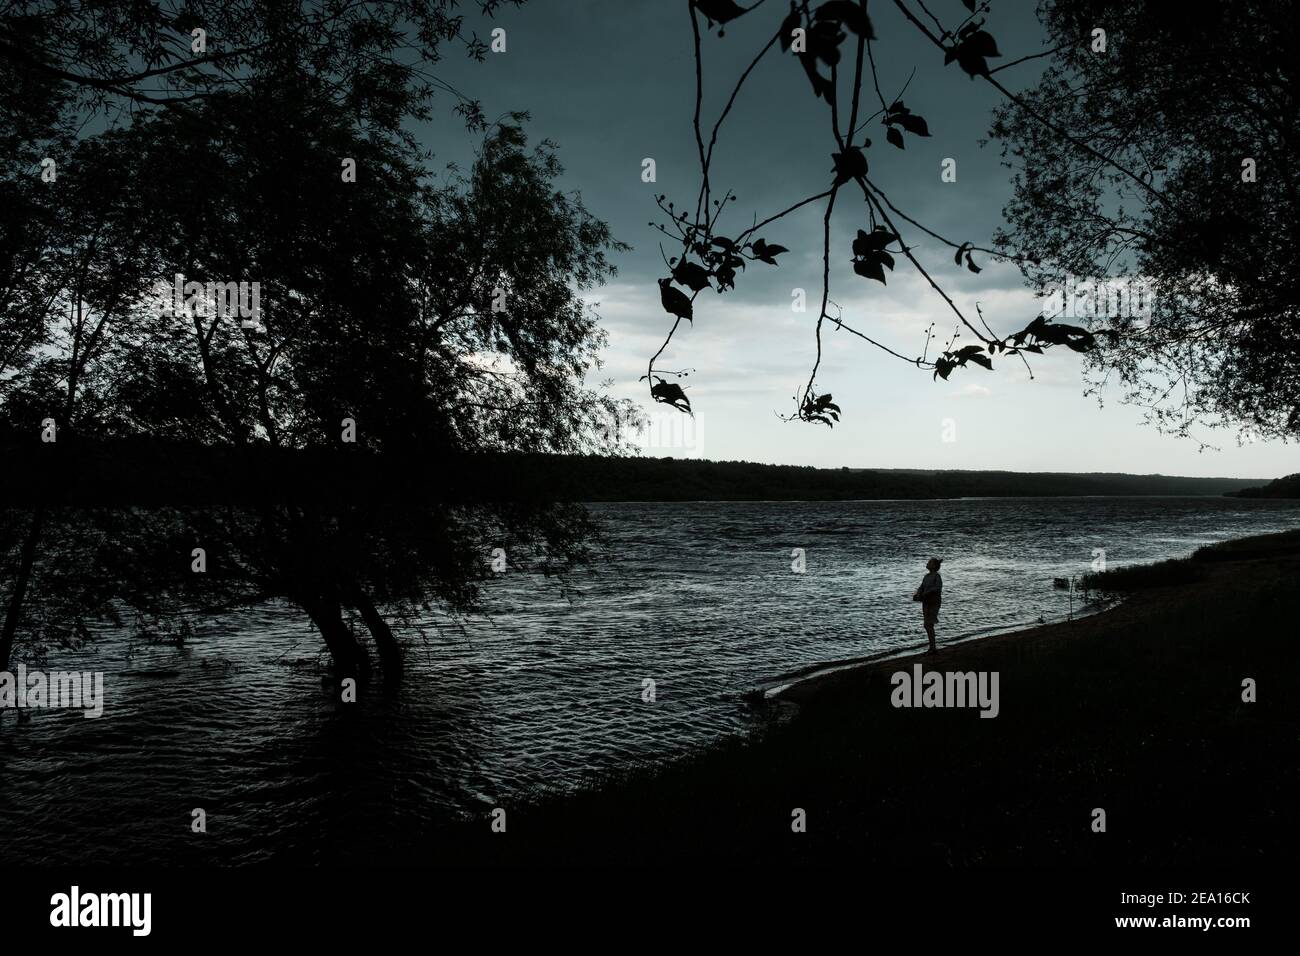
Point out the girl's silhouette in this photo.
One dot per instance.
(930, 594)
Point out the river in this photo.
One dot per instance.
(705, 600)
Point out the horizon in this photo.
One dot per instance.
(1011, 471)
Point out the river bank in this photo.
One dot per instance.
(1137, 712)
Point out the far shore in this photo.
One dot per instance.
(1137, 711)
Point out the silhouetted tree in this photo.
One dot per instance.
(1197, 110)
(373, 57)
(79, 264)
(441, 320)
(444, 319)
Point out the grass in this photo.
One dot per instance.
(1141, 576)
(1137, 711)
(1190, 570)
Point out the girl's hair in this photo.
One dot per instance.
(935, 561)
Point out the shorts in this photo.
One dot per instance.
(931, 611)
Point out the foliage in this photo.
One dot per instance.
(815, 36)
(444, 315)
(1175, 105)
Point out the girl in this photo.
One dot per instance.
(930, 594)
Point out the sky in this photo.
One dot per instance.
(612, 82)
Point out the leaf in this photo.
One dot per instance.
(970, 264)
(983, 43)
(670, 393)
(972, 48)
(792, 22)
(914, 124)
(821, 409)
(824, 41)
(872, 264)
(877, 239)
(1054, 333)
(675, 301)
(848, 13)
(881, 237)
(971, 353)
(970, 5)
(894, 136)
(956, 260)
(719, 11)
(870, 269)
(825, 404)
(692, 275)
(765, 253)
(850, 164)
(971, 62)
(822, 87)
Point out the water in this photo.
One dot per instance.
(700, 598)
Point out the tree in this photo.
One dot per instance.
(375, 57)
(379, 303)
(79, 263)
(67, 64)
(1196, 112)
(445, 320)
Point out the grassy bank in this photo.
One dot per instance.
(1138, 711)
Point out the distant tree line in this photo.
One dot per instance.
(1288, 487)
(594, 478)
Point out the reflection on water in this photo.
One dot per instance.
(700, 598)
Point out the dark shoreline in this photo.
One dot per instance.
(1137, 710)
(784, 685)
(147, 472)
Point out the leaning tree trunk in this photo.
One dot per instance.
(327, 614)
(390, 652)
(15, 610)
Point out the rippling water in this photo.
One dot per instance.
(700, 598)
